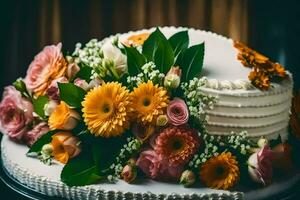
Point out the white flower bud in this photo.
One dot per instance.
(187, 178)
(50, 107)
(47, 149)
(172, 81)
(262, 142)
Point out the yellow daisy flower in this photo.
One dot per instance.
(106, 110)
(220, 172)
(148, 102)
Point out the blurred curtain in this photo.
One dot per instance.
(99, 18)
(28, 25)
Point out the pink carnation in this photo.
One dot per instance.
(177, 112)
(155, 168)
(34, 134)
(15, 113)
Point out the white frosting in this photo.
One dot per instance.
(220, 57)
(240, 105)
(46, 179)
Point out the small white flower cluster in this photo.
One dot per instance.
(149, 72)
(211, 149)
(131, 147)
(196, 100)
(217, 144)
(239, 142)
(91, 54)
(105, 58)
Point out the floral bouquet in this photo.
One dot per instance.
(130, 109)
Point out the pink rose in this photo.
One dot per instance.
(53, 90)
(171, 173)
(34, 134)
(47, 66)
(15, 113)
(260, 166)
(149, 163)
(155, 168)
(177, 112)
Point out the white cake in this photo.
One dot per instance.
(240, 107)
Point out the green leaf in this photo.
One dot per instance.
(80, 171)
(84, 73)
(135, 60)
(179, 42)
(105, 151)
(158, 49)
(192, 62)
(39, 104)
(21, 87)
(45, 139)
(71, 94)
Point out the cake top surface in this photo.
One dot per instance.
(220, 60)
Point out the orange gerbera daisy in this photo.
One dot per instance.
(220, 172)
(177, 145)
(148, 102)
(106, 110)
(136, 40)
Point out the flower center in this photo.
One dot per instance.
(146, 102)
(220, 171)
(177, 111)
(177, 144)
(106, 108)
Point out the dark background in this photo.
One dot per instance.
(270, 26)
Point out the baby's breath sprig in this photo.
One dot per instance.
(211, 148)
(197, 101)
(89, 54)
(128, 150)
(149, 72)
(214, 145)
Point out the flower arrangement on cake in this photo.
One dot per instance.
(128, 109)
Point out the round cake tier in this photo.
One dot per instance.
(46, 179)
(240, 106)
(260, 113)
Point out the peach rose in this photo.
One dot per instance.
(48, 65)
(63, 117)
(65, 146)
